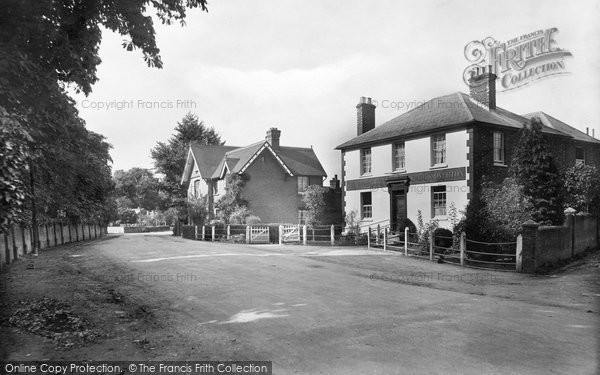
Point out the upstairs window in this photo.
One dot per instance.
(196, 188)
(438, 149)
(302, 183)
(499, 147)
(579, 155)
(438, 201)
(398, 156)
(366, 206)
(365, 161)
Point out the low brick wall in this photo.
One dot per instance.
(548, 245)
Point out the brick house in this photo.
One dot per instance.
(275, 175)
(434, 157)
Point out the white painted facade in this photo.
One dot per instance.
(419, 196)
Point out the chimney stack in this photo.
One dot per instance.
(482, 86)
(593, 133)
(272, 137)
(334, 183)
(365, 116)
(587, 131)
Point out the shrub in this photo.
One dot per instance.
(253, 219)
(443, 238)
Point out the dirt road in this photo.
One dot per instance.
(308, 309)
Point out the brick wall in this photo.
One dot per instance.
(271, 193)
(547, 245)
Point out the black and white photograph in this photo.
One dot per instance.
(299, 187)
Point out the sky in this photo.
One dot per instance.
(301, 66)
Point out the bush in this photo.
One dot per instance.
(406, 222)
(443, 238)
(252, 220)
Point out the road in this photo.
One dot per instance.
(347, 310)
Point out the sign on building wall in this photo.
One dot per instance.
(428, 177)
(518, 61)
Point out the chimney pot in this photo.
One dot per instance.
(587, 131)
(593, 133)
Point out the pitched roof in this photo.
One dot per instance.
(212, 160)
(208, 156)
(438, 113)
(556, 124)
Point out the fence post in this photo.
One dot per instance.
(195, 232)
(6, 249)
(431, 238)
(405, 241)
(378, 233)
(385, 233)
(228, 232)
(47, 236)
(463, 247)
(248, 233)
(332, 234)
(203, 232)
(368, 237)
(519, 254)
(304, 234)
(54, 233)
(281, 234)
(62, 234)
(212, 232)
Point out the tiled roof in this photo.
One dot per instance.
(208, 157)
(438, 113)
(212, 159)
(556, 124)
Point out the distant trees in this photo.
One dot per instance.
(139, 187)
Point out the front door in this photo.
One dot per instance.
(398, 208)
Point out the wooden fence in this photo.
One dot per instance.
(19, 240)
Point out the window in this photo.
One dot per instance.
(499, 147)
(366, 208)
(398, 156)
(579, 155)
(365, 161)
(302, 183)
(196, 188)
(438, 149)
(438, 201)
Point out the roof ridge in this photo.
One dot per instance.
(461, 95)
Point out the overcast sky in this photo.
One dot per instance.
(301, 66)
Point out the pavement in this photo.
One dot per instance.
(331, 310)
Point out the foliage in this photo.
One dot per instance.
(197, 211)
(239, 215)
(314, 201)
(534, 168)
(54, 320)
(170, 157)
(44, 47)
(424, 232)
(453, 214)
(253, 219)
(582, 184)
(351, 221)
(14, 169)
(232, 200)
(506, 207)
(151, 218)
(443, 238)
(139, 186)
(128, 216)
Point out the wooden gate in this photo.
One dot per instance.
(290, 233)
(259, 234)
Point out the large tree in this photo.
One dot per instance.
(44, 46)
(534, 168)
(169, 157)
